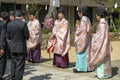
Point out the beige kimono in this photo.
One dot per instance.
(60, 38)
(35, 33)
(83, 44)
(101, 49)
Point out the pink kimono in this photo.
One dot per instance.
(101, 49)
(60, 39)
(83, 45)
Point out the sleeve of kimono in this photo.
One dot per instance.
(67, 41)
(98, 34)
(64, 35)
(26, 32)
(51, 43)
(39, 31)
(62, 32)
(99, 44)
(83, 24)
(82, 40)
(87, 23)
(37, 28)
(52, 39)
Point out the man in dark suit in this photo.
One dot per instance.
(3, 42)
(18, 33)
(1, 26)
(1, 61)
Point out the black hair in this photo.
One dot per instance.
(12, 13)
(83, 9)
(32, 12)
(5, 15)
(103, 15)
(61, 10)
(101, 11)
(23, 13)
(19, 13)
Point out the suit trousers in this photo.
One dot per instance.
(17, 65)
(3, 62)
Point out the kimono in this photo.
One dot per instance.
(33, 44)
(60, 40)
(83, 45)
(101, 49)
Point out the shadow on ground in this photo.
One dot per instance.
(115, 68)
(41, 77)
(45, 60)
(28, 70)
(115, 71)
(72, 64)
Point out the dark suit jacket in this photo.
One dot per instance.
(1, 26)
(18, 33)
(3, 36)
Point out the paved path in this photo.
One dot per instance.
(45, 71)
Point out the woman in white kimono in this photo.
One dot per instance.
(101, 47)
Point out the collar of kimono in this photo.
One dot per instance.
(102, 19)
(33, 19)
(84, 16)
(61, 19)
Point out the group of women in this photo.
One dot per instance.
(92, 51)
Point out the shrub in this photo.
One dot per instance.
(117, 23)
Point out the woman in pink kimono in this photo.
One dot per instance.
(83, 41)
(33, 44)
(60, 41)
(101, 47)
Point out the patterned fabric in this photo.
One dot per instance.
(101, 47)
(35, 33)
(34, 55)
(100, 71)
(61, 61)
(60, 37)
(83, 38)
(33, 44)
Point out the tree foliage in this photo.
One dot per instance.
(107, 3)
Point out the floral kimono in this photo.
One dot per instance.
(83, 45)
(60, 40)
(33, 44)
(101, 49)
